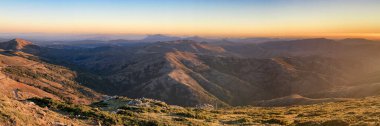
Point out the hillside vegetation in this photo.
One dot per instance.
(228, 74)
(24, 76)
(125, 111)
(24, 113)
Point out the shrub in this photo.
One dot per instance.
(99, 104)
(185, 114)
(6, 119)
(180, 119)
(335, 123)
(240, 121)
(275, 121)
(20, 71)
(131, 121)
(77, 111)
(125, 112)
(134, 109)
(309, 123)
(192, 114)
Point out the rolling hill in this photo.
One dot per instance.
(189, 73)
(24, 76)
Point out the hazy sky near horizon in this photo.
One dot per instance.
(274, 18)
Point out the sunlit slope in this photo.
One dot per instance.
(23, 76)
(228, 73)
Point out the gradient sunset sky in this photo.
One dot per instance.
(229, 18)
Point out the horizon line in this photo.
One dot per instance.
(369, 36)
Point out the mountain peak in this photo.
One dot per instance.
(15, 44)
(317, 40)
(160, 37)
(355, 40)
(21, 41)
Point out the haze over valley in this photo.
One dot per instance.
(190, 63)
(189, 73)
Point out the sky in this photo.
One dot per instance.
(227, 18)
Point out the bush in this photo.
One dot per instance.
(132, 121)
(20, 71)
(192, 114)
(240, 121)
(125, 112)
(6, 119)
(275, 121)
(309, 123)
(99, 104)
(180, 119)
(44, 102)
(77, 111)
(185, 114)
(335, 123)
(134, 109)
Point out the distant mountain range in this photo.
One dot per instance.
(187, 72)
(4, 40)
(94, 42)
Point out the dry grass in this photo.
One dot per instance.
(120, 111)
(36, 78)
(16, 113)
(364, 111)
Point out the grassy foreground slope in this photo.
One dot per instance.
(22, 113)
(24, 76)
(125, 111)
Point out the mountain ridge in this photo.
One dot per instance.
(211, 73)
(15, 44)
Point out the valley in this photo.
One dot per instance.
(229, 75)
(270, 77)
